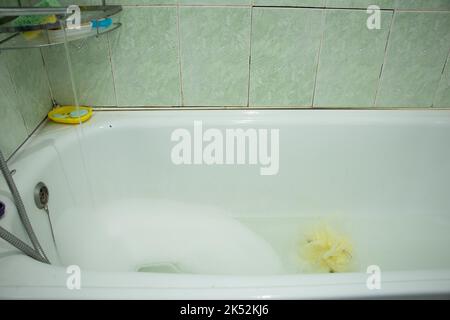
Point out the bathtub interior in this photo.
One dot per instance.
(118, 203)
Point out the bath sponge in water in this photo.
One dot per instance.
(326, 250)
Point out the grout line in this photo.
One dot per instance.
(440, 79)
(181, 101)
(323, 7)
(386, 50)
(262, 108)
(185, 6)
(112, 69)
(143, 5)
(250, 58)
(47, 77)
(422, 10)
(324, 20)
(29, 135)
(18, 98)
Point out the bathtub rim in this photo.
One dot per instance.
(415, 286)
(300, 109)
(48, 281)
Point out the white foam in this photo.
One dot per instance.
(126, 235)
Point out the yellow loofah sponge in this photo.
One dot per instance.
(324, 250)
(30, 35)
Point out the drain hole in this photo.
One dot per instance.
(41, 195)
(159, 268)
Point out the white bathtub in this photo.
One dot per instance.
(118, 202)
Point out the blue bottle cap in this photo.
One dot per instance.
(102, 23)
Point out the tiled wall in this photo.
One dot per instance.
(304, 53)
(24, 96)
(24, 93)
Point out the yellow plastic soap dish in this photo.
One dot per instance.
(70, 114)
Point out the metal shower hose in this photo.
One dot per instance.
(36, 253)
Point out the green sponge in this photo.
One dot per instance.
(37, 20)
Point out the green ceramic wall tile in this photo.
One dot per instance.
(383, 4)
(305, 3)
(13, 131)
(4, 35)
(27, 3)
(423, 4)
(141, 2)
(350, 59)
(91, 69)
(9, 3)
(65, 2)
(417, 50)
(215, 49)
(442, 97)
(285, 46)
(31, 84)
(81, 2)
(12, 127)
(145, 57)
(86, 2)
(215, 2)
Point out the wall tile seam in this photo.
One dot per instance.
(431, 10)
(386, 50)
(17, 97)
(180, 65)
(388, 42)
(29, 135)
(47, 77)
(317, 62)
(111, 66)
(250, 58)
(440, 80)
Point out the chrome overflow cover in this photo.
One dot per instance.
(41, 195)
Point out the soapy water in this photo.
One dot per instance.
(169, 237)
(392, 242)
(129, 235)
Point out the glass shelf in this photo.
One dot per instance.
(45, 38)
(44, 35)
